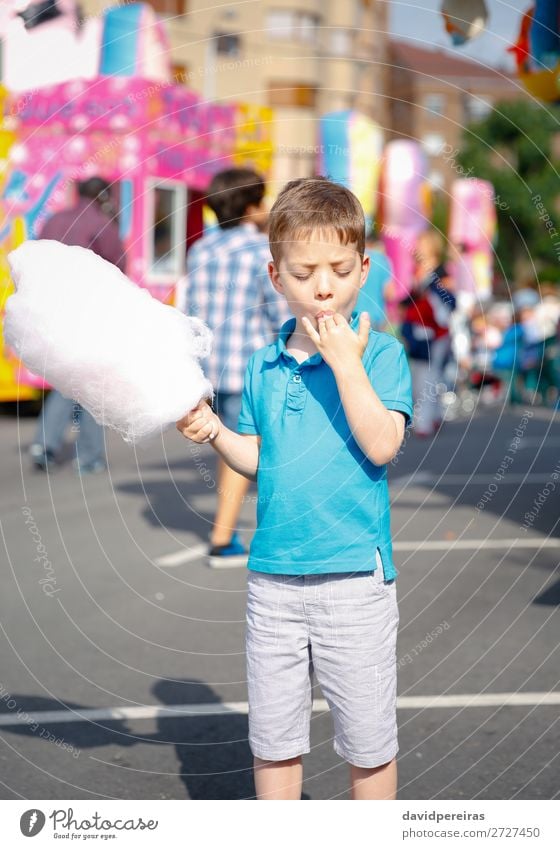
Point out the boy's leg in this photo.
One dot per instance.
(377, 783)
(279, 683)
(232, 488)
(353, 632)
(278, 779)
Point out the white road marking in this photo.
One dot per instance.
(532, 441)
(185, 555)
(475, 544)
(50, 717)
(196, 552)
(442, 478)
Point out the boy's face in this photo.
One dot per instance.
(319, 277)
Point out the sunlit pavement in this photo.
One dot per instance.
(107, 604)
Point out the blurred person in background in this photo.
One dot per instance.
(541, 366)
(520, 352)
(426, 314)
(228, 287)
(90, 223)
(379, 286)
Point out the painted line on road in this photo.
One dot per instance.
(187, 555)
(474, 544)
(50, 717)
(532, 441)
(441, 478)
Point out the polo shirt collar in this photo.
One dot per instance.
(278, 347)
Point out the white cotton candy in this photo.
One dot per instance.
(83, 326)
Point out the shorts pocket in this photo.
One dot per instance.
(377, 584)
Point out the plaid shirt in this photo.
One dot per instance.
(228, 287)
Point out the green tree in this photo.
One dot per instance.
(517, 148)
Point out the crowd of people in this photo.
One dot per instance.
(508, 349)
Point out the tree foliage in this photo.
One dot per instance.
(517, 148)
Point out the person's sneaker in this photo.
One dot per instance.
(227, 556)
(42, 459)
(94, 468)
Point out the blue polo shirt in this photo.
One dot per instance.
(322, 505)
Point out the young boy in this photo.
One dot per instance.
(324, 409)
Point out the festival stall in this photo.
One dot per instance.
(472, 230)
(404, 207)
(157, 143)
(350, 151)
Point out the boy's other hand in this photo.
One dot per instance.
(337, 343)
(201, 424)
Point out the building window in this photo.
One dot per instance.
(166, 250)
(477, 108)
(291, 25)
(341, 42)
(180, 73)
(169, 7)
(436, 180)
(227, 43)
(288, 94)
(434, 103)
(433, 144)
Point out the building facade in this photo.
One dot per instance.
(301, 57)
(434, 95)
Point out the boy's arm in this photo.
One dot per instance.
(378, 431)
(239, 451)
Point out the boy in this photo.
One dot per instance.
(228, 288)
(324, 409)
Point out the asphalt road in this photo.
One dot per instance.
(92, 617)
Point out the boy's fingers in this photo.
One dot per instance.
(363, 327)
(310, 330)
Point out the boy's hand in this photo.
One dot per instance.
(201, 424)
(336, 341)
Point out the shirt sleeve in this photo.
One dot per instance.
(389, 374)
(247, 420)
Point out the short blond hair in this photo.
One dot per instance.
(315, 204)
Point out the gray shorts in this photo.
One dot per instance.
(342, 627)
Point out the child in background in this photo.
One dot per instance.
(425, 330)
(379, 287)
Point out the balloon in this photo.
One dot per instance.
(464, 19)
(537, 50)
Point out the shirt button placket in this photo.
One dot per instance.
(295, 393)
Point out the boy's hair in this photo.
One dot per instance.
(231, 192)
(315, 203)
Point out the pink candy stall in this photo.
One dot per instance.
(157, 144)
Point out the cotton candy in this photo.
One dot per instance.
(83, 326)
